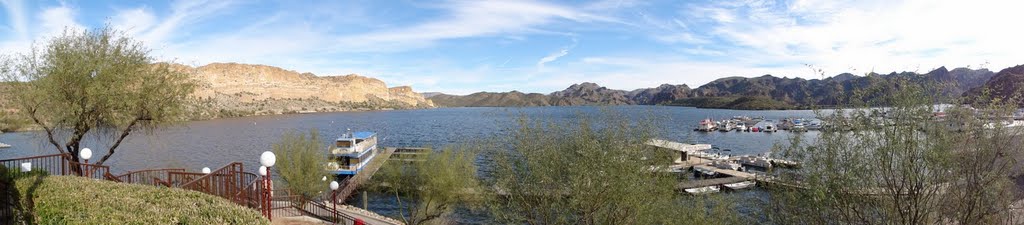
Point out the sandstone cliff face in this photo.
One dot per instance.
(233, 89)
(261, 82)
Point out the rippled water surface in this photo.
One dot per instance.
(215, 143)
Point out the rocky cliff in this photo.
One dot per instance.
(1008, 84)
(233, 89)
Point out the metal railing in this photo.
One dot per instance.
(55, 164)
(224, 182)
(230, 182)
(320, 207)
(93, 171)
(149, 176)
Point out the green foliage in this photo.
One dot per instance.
(8, 174)
(301, 162)
(907, 167)
(95, 81)
(431, 186)
(12, 122)
(586, 172)
(46, 200)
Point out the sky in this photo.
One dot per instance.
(462, 47)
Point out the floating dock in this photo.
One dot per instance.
(689, 159)
(352, 184)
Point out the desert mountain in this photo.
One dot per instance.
(1007, 84)
(764, 92)
(233, 89)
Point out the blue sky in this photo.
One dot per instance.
(463, 47)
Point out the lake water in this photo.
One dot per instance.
(214, 143)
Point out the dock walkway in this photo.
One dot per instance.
(353, 183)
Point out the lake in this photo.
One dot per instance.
(214, 143)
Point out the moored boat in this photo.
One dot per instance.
(702, 190)
(798, 126)
(754, 161)
(704, 172)
(727, 165)
(740, 185)
(706, 125)
(351, 152)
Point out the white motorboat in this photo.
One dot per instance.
(704, 172)
(706, 125)
(2, 145)
(740, 185)
(755, 161)
(703, 190)
(727, 165)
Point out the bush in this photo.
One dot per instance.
(79, 200)
(301, 162)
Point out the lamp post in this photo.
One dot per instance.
(206, 170)
(267, 159)
(85, 154)
(334, 198)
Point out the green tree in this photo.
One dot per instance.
(302, 163)
(903, 166)
(429, 187)
(586, 172)
(95, 81)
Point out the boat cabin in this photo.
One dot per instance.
(351, 152)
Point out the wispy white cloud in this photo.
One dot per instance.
(133, 21)
(872, 35)
(58, 19)
(16, 14)
(555, 55)
(552, 57)
(470, 19)
(183, 13)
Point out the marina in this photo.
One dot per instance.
(713, 171)
(759, 124)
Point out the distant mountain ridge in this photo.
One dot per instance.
(1008, 84)
(764, 92)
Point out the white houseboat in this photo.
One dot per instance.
(351, 152)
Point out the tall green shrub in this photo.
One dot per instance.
(302, 162)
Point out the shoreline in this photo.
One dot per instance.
(31, 127)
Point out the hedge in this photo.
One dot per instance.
(79, 200)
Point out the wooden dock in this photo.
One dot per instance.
(353, 183)
(709, 182)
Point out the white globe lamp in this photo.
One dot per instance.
(334, 185)
(263, 171)
(85, 154)
(268, 159)
(26, 167)
(206, 170)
